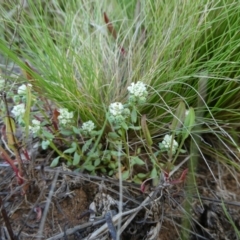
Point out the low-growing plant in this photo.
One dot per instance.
(86, 148)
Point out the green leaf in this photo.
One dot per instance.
(86, 145)
(94, 154)
(112, 165)
(55, 162)
(117, 153)
(94, 133)
(66, 132)
(74, 145)
(10, 132)
(137, 180)
(146, 132)
(47, 134)
(124, 126)
(125, 174)
(136, 128)
(153, 173)
(152, 160)
(107, 156)
(45, 144)
(134, 115)
(188, 123)
(76, 159)
(72, 149)
(157, 153)
(27, 109)
(113, 135)
(97, 162)
(89, 167)
(136, 160)
(179, 117)
(103, 170)
(142, 175)
(183, 151)
(76, 130)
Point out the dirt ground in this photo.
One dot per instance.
(78, 206)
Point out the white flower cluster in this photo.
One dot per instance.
(138, 89)
(65, 116)
(88, 126)
(138, 92)
(22, 90)
(118, 113)
(116, 108)
(165, 145)
(18, 110)
(36, 126)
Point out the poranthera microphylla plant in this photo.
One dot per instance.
(83, 148)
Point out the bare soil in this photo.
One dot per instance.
(67, 201)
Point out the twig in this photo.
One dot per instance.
(6, 220)
(47, 206)
(111, 227)
(216, 200)
(76, 228)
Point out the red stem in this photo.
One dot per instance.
(5, 156)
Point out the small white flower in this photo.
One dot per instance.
(166, 144)
(116, 108)
(36, 125)
(138, 89)
(64, 121)
(22, 90)
(88, 126)
(64, 113)
(36, 122)
(186, 112)
(18, 110)
(65, 116)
